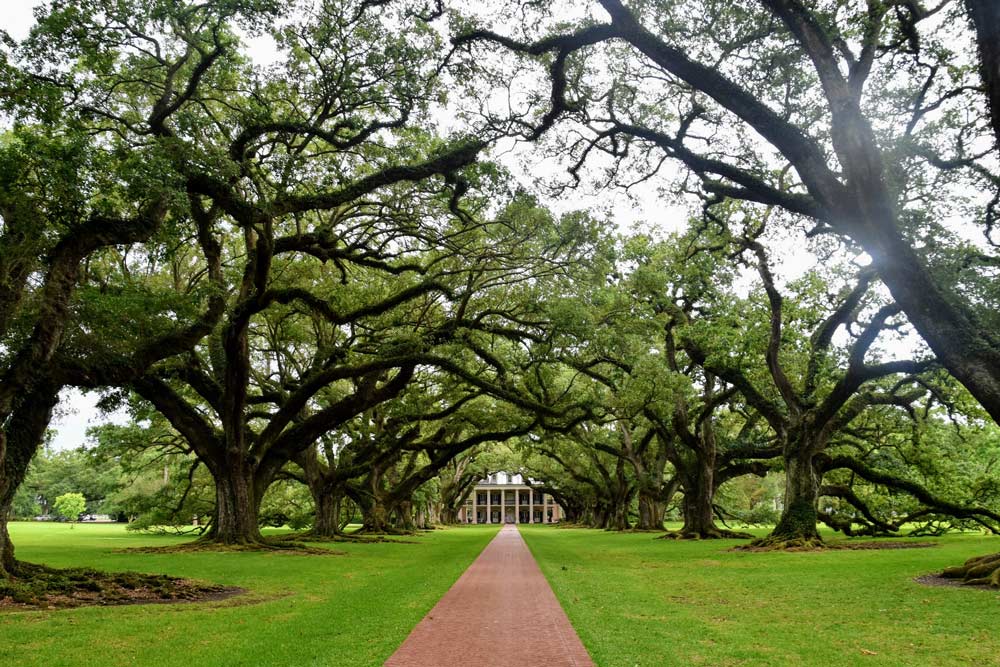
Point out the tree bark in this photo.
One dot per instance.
(404, 513)
(236, 504)
(8, 565)
(800, 515)
(19, 440)
(699, 498)
(858, 201)
(699, 516)
(985, 15)
(598, 517)
(618, 517)
(326, 521)
(376, 518)
(651, 510)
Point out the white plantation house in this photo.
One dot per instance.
(506, 498)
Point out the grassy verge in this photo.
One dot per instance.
(348, 610)
(639, 602)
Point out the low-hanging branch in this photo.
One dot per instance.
(933, 502)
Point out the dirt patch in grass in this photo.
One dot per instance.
(346, 539)
(277, 546)
(40, 587)
(938, 580)
(839, 546)
(720, 534)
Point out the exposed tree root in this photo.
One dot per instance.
(399, 532)
(717, 534)
(351, 538)
(275, 544)
(652, 531)
(809, 545)
(783, 543)
(978, 571)
(40, 587)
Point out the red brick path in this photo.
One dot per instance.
(500, 613)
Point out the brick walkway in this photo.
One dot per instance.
(500, 613)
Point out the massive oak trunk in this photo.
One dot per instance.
(651, 510)
(800, 515)
(985, 15)
(698, 510)
(376, 518)
(7, 563)
(237, 503)
(326, 521)
(449, 515)
(328, 491)
(19, 440)
(618, 517)
(698, 505)
(404, 515)
(596, 516)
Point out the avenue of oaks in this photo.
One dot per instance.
(324, 276)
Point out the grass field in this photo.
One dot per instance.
(635, 601)
(639, 602)
(347, 610)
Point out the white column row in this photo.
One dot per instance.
(502, 507)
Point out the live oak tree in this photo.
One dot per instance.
(926, 468)
(701, 425)
(421, 447)
(607, 341)
(416, 280)
(592, 481)
(260, 154)
(575, 497)
(628, 380)
(859, 118)
(261, 391)
(36, 320)
(326, 469)
(669, 414)
(804, 385)
(493, 386)
(872, 120)
(79, 188)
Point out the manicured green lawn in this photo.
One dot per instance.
(635, 602)
(641, 602)
(347, 610)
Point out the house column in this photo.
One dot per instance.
(489, 505)
(475, 519)
(517, 505)
(531, 505)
